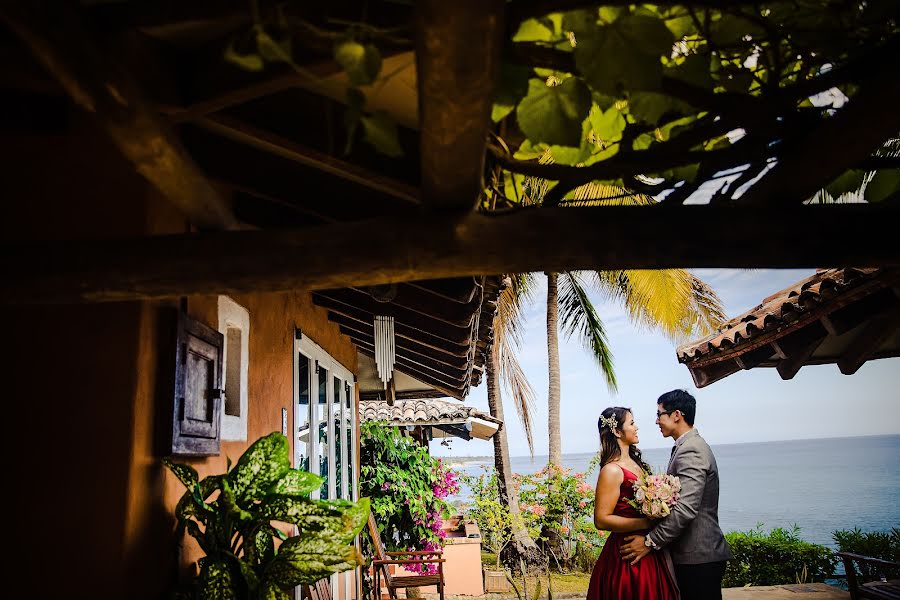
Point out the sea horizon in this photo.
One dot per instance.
(819, 484)
(481, 457)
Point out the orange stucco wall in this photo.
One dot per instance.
(93, 506)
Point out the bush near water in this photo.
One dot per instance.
(775, 558)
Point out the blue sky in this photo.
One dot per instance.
(749, 406)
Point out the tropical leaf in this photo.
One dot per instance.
(578, 316)
(185, 473)
(554, 113)
(217, 580)
(264, 463)
(308, 557)
(296, 483)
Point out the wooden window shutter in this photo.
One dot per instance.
(198, 389)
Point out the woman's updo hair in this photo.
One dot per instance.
(611, 420)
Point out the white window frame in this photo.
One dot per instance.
(233, 315)
(312, 351)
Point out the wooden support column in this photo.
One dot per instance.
(431, 246)
(457, 59)
(53, 32)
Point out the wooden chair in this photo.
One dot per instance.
(876, 590)
(320, 590)
(383, 560)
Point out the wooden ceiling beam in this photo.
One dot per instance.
(798, 348)
(447, 372)
(413, 327)
(58, 40)
(357, 320)
(271, 143)
(334, 299)
(457, 59)
(404, 346)
(447, 388)
(866, 343)
(433, 246)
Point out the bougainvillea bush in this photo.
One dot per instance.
(556, 502)
(408, 489)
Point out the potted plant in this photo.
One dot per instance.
(232, 517)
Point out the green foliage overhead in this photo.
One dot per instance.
(681, 77)
(553, 113)
(623, 55)
(233, 516)
(774, 558)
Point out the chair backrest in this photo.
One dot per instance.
(380, 552)
(320, 590)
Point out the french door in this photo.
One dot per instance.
(325, 432)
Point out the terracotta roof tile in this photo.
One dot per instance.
(419, 412)
(778, 310)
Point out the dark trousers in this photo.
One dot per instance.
(700, 582)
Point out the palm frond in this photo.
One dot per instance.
(507, 340)
(578, 316)
(708, 310)
(672, 301)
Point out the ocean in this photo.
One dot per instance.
(820, 485)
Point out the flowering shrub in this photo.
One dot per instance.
(558, 501)
(494, 519)
(408, 489)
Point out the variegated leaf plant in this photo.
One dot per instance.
(232, 518)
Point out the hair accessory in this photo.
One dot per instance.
(610, 422)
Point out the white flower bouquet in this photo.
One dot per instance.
(655, 495)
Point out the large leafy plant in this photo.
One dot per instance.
(232, 516)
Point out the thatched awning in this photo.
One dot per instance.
(445, 419)
(841, 316)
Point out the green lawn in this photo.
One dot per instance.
(562, 582)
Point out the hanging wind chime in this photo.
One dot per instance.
(385, 354)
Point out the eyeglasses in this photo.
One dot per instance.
(665, 412)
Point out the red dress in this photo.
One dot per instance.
(614, 579)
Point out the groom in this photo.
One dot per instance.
(691, 532)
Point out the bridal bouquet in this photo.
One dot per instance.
(655, 495)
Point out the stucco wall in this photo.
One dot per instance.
(92, 504)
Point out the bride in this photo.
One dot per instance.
(614, 578)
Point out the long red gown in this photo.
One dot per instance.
(614, 579)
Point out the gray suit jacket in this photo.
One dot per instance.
(691, 532)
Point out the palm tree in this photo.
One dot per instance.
(672, 301)
(503, 365)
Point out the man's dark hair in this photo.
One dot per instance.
(680, 400)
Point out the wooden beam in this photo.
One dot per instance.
(797, 354)
(105, 89)
(457, 58)
(334, 300)
(274, 144)
(875, 333)
(430, 246)
(355, 322)
(404, 346)
(449, 389)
